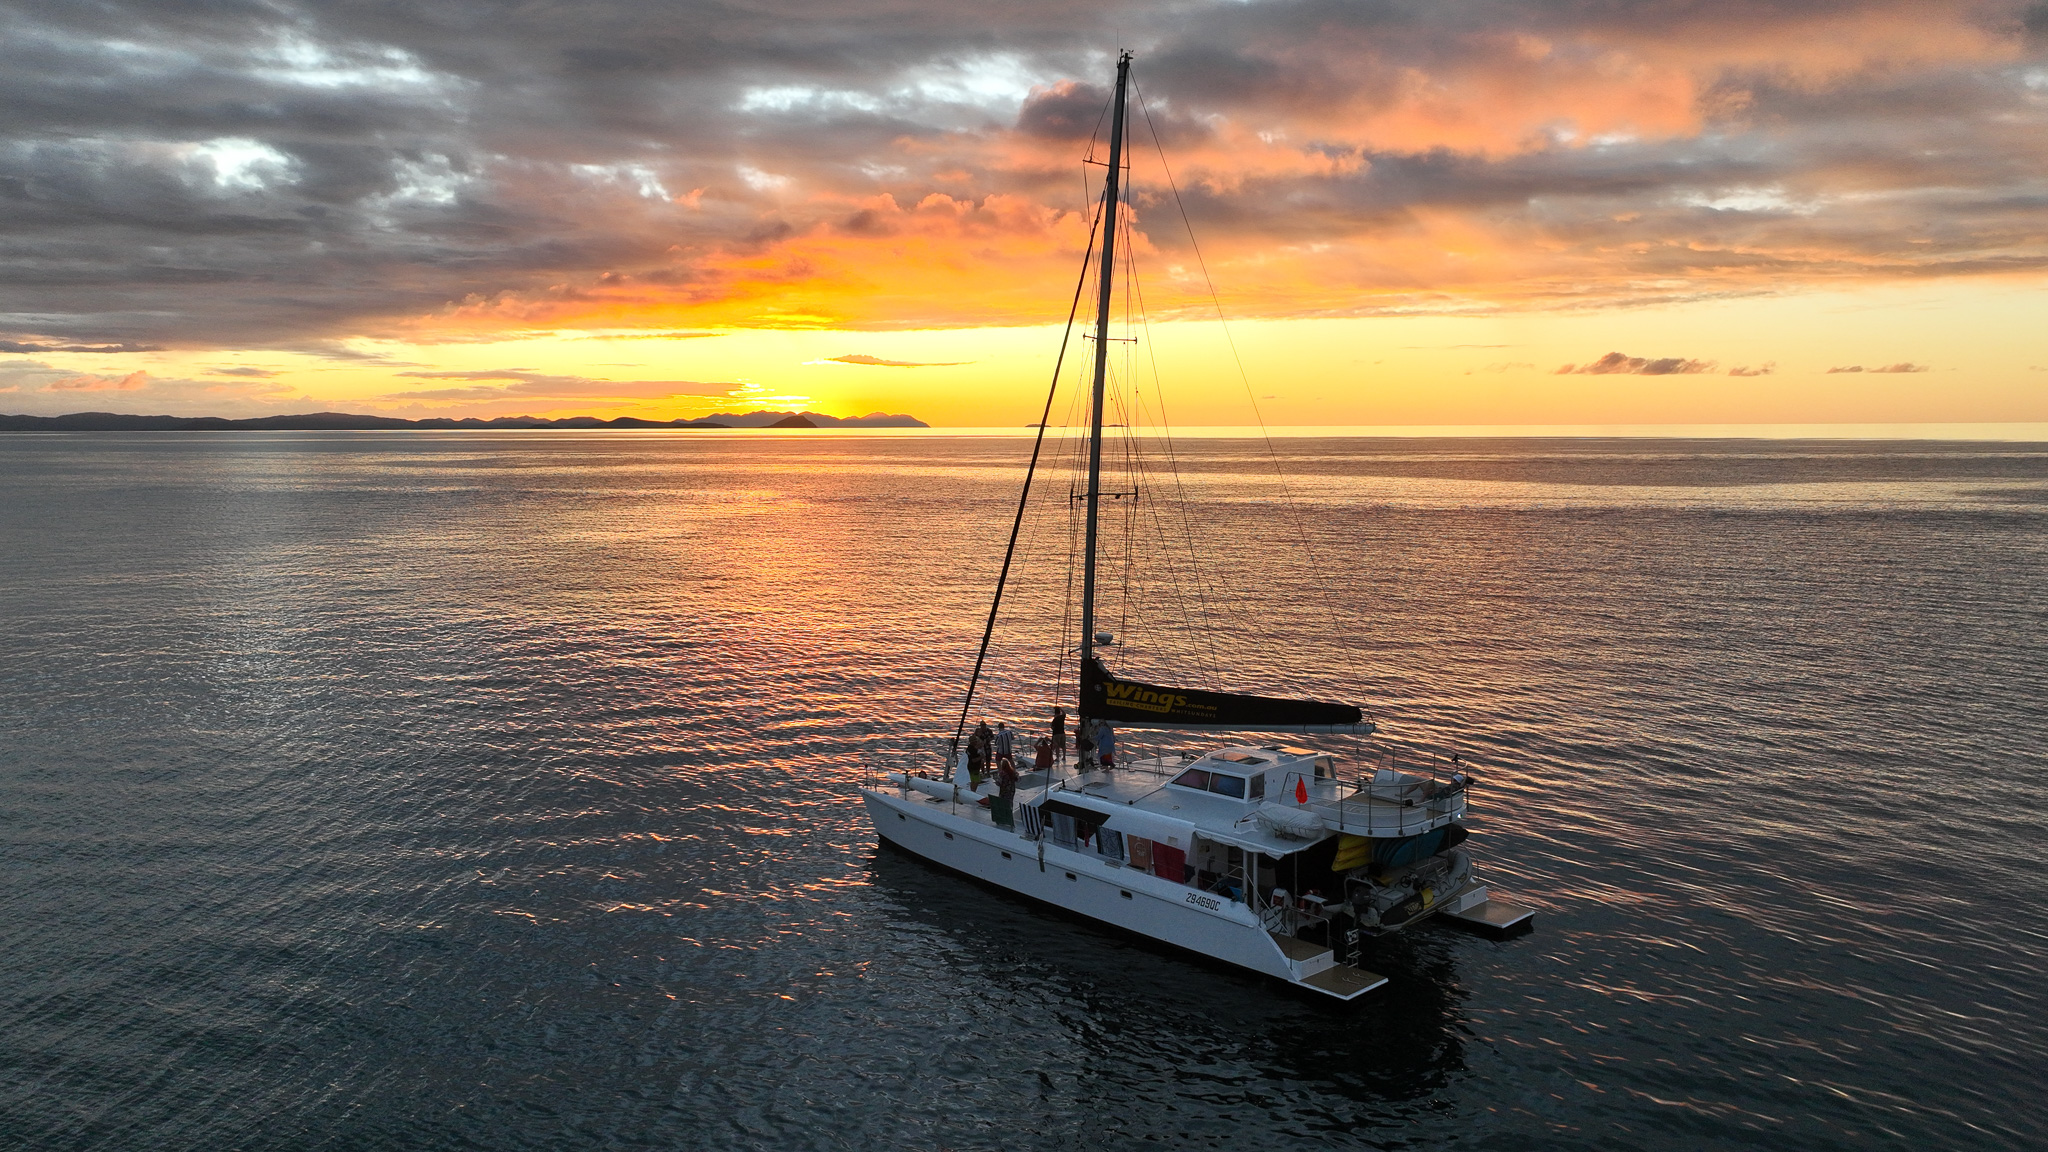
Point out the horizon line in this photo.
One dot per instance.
(2013, 431)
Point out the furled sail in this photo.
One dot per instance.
(1131, 704)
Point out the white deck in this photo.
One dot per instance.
(1390, 810)
(962, 836)
(951, 826)
(1493, 916)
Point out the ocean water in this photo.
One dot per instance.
(439, 791)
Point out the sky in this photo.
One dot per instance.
(1376, 212)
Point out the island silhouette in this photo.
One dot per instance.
(349, 422)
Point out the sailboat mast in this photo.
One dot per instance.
(1110, 197)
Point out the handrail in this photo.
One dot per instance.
(1421, 800)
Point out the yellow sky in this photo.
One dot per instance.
(1415, 215)
(1980, 342)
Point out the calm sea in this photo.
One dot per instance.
(438, 791)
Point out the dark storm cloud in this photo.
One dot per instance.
(283, 173)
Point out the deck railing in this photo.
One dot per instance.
(1427, 792)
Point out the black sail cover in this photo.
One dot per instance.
(1129, 702)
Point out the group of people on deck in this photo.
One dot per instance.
(996, 749)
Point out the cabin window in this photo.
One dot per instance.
(1196, 778)
(1231, 786)
(1258, 789)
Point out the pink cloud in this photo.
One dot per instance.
(89, 383)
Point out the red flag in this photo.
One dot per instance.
(1300, 791)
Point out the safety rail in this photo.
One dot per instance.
(1422, 795)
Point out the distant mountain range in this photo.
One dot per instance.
(346, 422)
(814, 420)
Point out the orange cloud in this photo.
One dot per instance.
(132, 382)
(1434, 166)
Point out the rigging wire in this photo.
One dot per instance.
(1024, 498)
(1207, 632)
(1294, 511)
(1223, 322)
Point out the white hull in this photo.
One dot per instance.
(1108, 891)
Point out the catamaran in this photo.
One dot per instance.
(1282, 859)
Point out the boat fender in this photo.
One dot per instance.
(1292, 823)
(1352, 852)
(945, 790)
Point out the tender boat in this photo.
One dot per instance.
(1281, 859)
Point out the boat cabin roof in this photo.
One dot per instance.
(1216, 794)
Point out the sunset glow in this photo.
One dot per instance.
(1446, 215)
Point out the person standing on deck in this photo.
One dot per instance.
(977, 762)
(981, 749)
(1000, 809)
(1006, 741)
(1105, 742)
(1059, 731)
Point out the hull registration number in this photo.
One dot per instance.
(1201, 901)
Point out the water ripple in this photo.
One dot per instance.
(455, 791)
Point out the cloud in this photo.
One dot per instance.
(1763, 369)
(1621, 363)
(336, 350)
(877, 362)
(293, 174)
(32, 347)
(650, 335)
(133, 382)
(522, 383)
(244, 370)
(41, 389)
(1899, 367)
